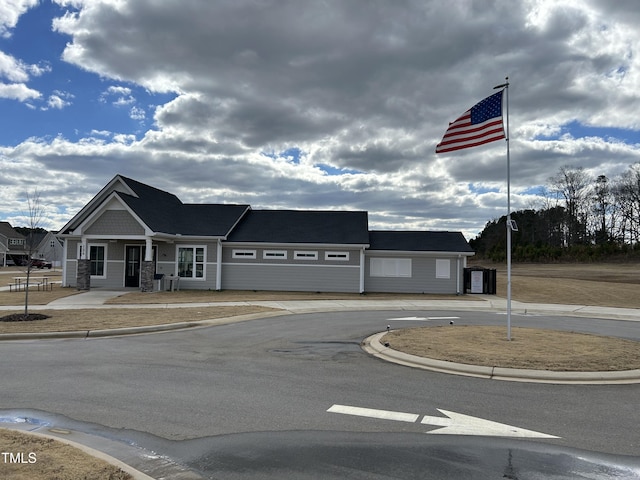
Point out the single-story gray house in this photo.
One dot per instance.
(131, 233)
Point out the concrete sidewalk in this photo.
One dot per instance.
(96, 298)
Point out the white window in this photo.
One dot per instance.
(191, 261)
(390, 267)
(97, 259)
(305, 255)
(443, 268)
(244, 254)
(339, 256)
(275, 254)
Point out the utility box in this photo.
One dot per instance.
(480, 280)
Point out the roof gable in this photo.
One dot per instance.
(163, 212)
(7, 230)
(302, 226)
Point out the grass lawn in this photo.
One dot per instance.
(52, 460)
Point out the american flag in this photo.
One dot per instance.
(481, 124)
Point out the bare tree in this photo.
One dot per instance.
(573, 184)
(35, 214)
(628, 200)
(603, 210)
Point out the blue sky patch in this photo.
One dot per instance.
(479, 189)
(330, 170)
(578, 130)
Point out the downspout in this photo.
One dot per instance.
(219, 265)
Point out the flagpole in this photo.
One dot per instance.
(509, 224)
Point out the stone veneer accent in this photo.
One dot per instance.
(83, 279)
(147, 271)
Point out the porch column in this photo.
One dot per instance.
(147, 269)
(83, 276)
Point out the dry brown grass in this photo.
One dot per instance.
(207, 296)
(103, 319)
(605, 285)
(612, 285)
(54, 460)
(36, 297)
(529, 348)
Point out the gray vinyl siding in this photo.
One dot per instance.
(167, 264)
(115, 222)
(354, 255)
(70, 269)
(288, 277)
(423, 276)
(290, 274)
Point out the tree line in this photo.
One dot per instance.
(581, 218)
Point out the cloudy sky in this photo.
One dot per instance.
(314, 104)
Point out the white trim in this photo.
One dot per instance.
(88, 256)
(305, 255)
(336, 256)
(193, 277)
(299, 246)
(98, 199)
(429, 253)
(274, 255)
(243, 253)
(218, 265)
(92, 217)
(299, 265)
(362, 268)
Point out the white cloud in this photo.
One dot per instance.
(364, 88)
(18, 91)
(10, 11)
(117, 95)
(59, 100)
(137, 113)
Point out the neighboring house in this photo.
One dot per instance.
(131, 232)
(4, 247)
(49, 247)
(16, 244)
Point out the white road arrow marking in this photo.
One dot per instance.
(459, 424)
(371, 413)
(453, 424)
(419, 319)
(407, 318)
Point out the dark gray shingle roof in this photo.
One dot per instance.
(418, 241)
(163, 212)
(302, 226)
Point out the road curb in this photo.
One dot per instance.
(374, 346)
(116, 332)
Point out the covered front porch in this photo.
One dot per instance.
(144, 263)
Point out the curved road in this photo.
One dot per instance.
(273, 385)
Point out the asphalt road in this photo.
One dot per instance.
(193, 395)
